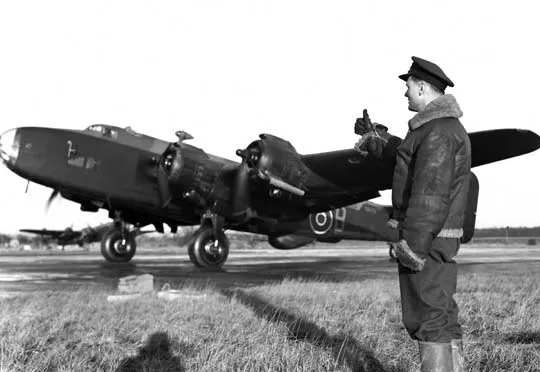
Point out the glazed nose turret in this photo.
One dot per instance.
(9, 146)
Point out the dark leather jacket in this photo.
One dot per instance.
(431, 176)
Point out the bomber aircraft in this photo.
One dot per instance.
(273, 190)
(69, 236)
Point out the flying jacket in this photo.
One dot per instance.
(431, 176)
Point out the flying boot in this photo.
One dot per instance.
(435, 356)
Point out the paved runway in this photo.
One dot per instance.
(77, 269)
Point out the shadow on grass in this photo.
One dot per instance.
(155, 355)
(345, 349)
(527, 338)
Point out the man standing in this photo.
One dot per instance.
(429, 196)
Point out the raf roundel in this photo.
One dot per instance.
(321, 222)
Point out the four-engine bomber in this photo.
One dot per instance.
(294, 199)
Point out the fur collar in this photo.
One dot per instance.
(441, 107)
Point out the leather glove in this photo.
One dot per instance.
(364, 125)
(371, 143)
(407, 257)
(374, 137)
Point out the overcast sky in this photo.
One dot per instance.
(226, 71)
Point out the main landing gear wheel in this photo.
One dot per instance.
(208, 249)
(117, 246)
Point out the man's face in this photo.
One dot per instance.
(414, 94)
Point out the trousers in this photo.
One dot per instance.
(429, 310)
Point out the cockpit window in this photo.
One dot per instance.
(104, 130)
(108, 132)
(131, 131)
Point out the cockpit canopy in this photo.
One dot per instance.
(129, 137)
(104, 130)
(111, 131)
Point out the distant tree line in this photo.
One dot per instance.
(183, 236)
(21, 238)
(511, 232)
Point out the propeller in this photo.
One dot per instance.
(163, 167)
(54, 194)
(241, 198)
(251, 156)
(163, 185)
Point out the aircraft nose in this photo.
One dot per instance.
(9, 146)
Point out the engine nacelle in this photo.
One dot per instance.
(289, 241)
(272, 158)
(181, 164)
(191, 173)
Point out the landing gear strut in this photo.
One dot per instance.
(208, 248)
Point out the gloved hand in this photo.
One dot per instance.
(369, 144)
(374, 137)
(407, 257)
(363, 125)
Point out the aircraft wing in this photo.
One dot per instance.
(349, 169)
(45, 232)
(64, 237)
(274, 181)
(498, 144)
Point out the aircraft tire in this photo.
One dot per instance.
(112, 248)
(202, 251)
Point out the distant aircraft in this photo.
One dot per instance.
(294, 199)
(68, 236)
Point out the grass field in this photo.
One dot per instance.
(293, 325)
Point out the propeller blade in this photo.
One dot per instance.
(241, 200)
(280, 184)
(163, 165)
(52, 197)
(163, 186)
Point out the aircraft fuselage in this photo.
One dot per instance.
(95, 171)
